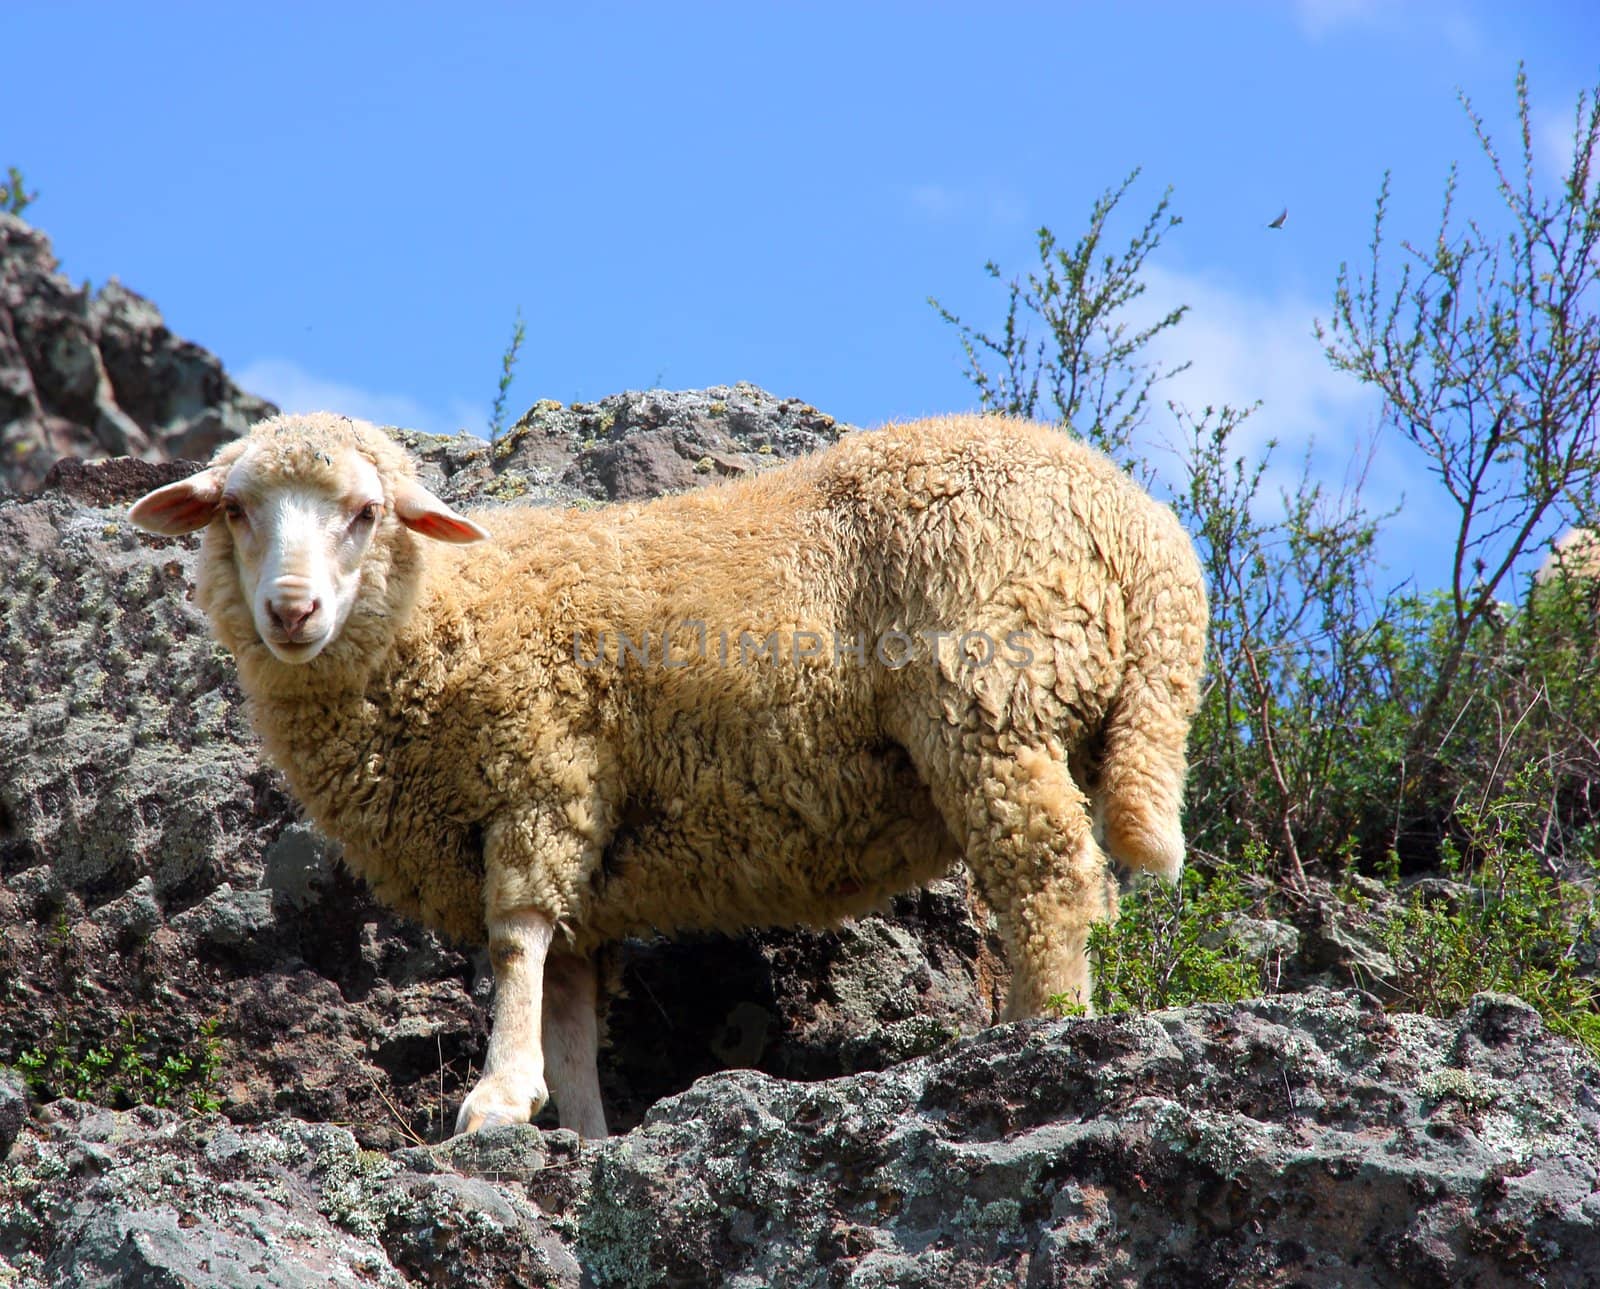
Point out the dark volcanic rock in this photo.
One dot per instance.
(135, 814)
(92, 1197)
(13, 1109)
(95, 375)
(1308, 1140)
(801, 1004)
(626, 447)
(1302, 1140)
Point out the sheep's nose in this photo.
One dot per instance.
(290, 615)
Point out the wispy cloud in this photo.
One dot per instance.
(1554, 140)
(1318, 17)
(1246, 349)
(997, 206)
(295, 389)
(1444, 20)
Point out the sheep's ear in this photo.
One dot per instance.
(183, 507)
(422, 512)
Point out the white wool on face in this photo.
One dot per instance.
(298, 548)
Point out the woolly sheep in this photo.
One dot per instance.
(1575, 554)
(777, 700)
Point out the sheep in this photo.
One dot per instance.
(777, 700)
(1567, 581)
(1575, 555)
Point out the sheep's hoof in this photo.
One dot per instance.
(489, 1119)
(501, 1099)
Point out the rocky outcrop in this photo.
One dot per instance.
(97, 374)
(627, 447)
(93, 1197)
(1304, 1140)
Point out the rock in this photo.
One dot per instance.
(1303, 1140)
(107, 482)
(98, 374)
(135, 914)
(1336, 942)
(227, 918)
(13, 1109)
(136, 822)
(800, 1003)
(626, 447)
(648, 465)
(509, 1152)
(38, 889)
(1300, 1140)
(1258, 939)
(145, 1198)
(299, 866)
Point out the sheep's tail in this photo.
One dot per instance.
(1143, 764)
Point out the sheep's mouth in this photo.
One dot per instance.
(286, 650)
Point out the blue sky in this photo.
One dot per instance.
(348, 202)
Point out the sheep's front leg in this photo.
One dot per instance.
(512, 1089)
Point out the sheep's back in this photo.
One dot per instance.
(769, 788)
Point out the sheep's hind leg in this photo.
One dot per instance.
(1025, 830)
(571, 1042)
(512, 1089)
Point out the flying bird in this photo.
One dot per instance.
(1278, 222)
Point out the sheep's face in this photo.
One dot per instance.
(301, 520)
(298, 546)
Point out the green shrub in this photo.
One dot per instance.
(133, 1069)
(14, 195)
(1504, 923)
(1171, 945)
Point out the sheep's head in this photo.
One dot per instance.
(302, 518)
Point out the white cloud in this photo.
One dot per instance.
(1318, 17)
(1442, 20)
(1553, 144)
(1246, 349)
(294, 389)
(997, 206)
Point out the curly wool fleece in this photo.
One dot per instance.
(476, 755)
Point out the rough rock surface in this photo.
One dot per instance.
(96, 374)
(157, 894)
(96, 1197)
(626, 447)
(1303, 1140)
(1307, 1140)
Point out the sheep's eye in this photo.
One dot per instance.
(232, 510)
(366, 516)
